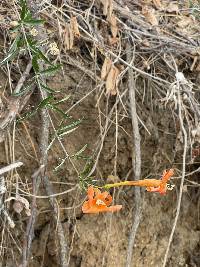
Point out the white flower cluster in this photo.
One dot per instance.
(54, 49)
(33, 32)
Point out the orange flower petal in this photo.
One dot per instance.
(167, 175)
(99, 208)
(157, 189)
(98, 202)
(90, 192)
(162, 188)
(103, 195)
(106, 198)
(88, 204)
(85, 207)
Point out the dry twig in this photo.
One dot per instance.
(41, 175)
(15, 104)
(2, 206)
(136, 158)
(185, 138)
(10, 167)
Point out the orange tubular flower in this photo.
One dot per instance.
(163, 187)
(152, 185)
(98, 202)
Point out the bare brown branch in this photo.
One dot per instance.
(41, 175)
(136, 158)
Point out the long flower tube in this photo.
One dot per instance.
(152, 185)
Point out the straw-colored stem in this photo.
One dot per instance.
(144, 182)
(107, 186)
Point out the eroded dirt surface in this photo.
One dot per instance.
(101, 240)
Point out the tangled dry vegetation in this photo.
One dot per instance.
(125, 104)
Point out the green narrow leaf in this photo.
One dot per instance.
(27, 115)
(33, 22)
(53, 107)
(44, 103)
(35, 64)
(8, 58)
(84, 179)
(15, 29)
(36, 51)
(15, 44)
(62, 100)
(48, 89)
(31, 42)
(50, 70)
(65, 128)
(24, 9)
(42, 56)
(32, 46)
(60, 164)
(77, 154)
(28, 15)
(23, 90)
(14, 48)
(68, 132)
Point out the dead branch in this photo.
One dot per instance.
(61, 237)
(185, 138)
(15, 104)
(136, 158)
(10, 167)
(2, 206)
(76, 64)
(23, 78)
(44, 142)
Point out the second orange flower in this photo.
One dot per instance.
(98, 202)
